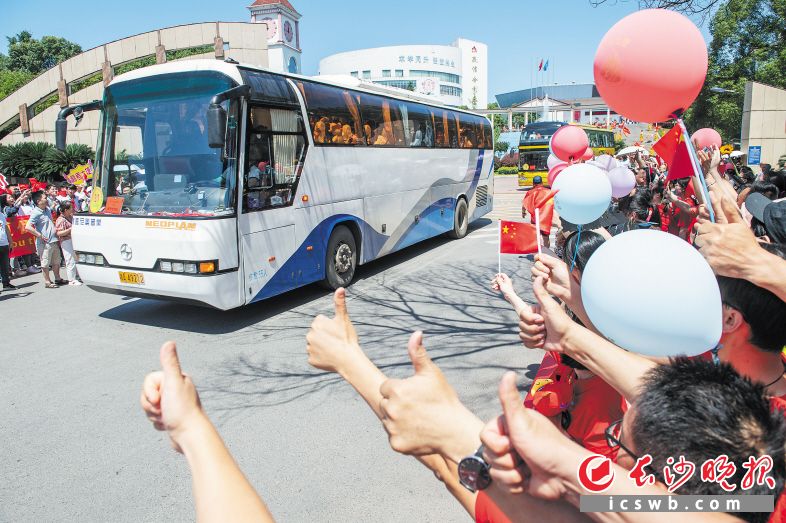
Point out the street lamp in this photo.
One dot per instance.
(721, 90)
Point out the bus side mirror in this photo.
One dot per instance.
(216, 125)
(61, 128)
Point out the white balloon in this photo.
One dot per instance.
(652, 293)
(584, 193)
(552, 161)
(606, 162)
(622, 181)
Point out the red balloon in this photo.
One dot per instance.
(589, 154)
(569, 143)
(554, 172)
(706, 138)
(648, 79)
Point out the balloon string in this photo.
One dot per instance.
(576, 249)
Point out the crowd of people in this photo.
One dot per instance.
(722, 412)
(49, 210)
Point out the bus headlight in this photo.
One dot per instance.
(90, 258)
(193, 268)
(80, 258)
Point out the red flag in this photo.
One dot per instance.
(517, 238)
(543, 199)
(540, 66)
(674, 151)
(22, 242)
(3, 182)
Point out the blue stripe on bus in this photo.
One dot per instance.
(305, 267)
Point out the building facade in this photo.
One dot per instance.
(283, 33)
(455, 74)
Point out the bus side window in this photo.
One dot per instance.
(333, 114)
(440, 126)
(382, 121)
(453, 138)
(275, 147)
(421, 127)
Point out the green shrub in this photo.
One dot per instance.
(508, 170)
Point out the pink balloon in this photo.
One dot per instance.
(647, 79)
(569, 143)
(554, 172)
(706, 138)
(589, 154)
(552, 160)
(622, 181)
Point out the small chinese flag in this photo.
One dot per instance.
(674, 151)
(517, 238)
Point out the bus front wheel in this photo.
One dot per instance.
(340, 259)
(460, 220)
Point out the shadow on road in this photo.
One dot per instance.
(204, 320)
(463, 321)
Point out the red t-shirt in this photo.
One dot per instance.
(540, 197)
(596, 405)
(486, 511)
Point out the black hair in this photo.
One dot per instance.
(700, 410)
(72, 187)
(37, 196)
(762, 310)
(587, 245)
(640, 204)
(758, 227)
(64, 206)
(770, 190)
(778, 179)
(3, 201)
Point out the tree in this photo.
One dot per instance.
(56, 163)
(701, 8)
(25, 53)
(501, 147)
(10, 81)
(25, 160)
(748, 42)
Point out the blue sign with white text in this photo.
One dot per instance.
(754, 154)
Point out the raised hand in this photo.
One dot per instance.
(503, 284)
(556, 322)
(530, 448)
(728, 245)
(332, 342)
(422, 414)
(170, 399)
(557, 277)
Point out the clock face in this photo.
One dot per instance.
(272, 28)
(288, 31)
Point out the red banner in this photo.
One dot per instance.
(22, 242)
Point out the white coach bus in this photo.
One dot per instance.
(219, 184)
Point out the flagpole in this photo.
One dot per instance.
(697, 171)
(499, 248)
(537, 226)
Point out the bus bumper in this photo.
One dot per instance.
(218, 290)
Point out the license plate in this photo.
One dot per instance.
(131, 278)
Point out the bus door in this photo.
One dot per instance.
(274, 148)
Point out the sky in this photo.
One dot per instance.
(518, 32)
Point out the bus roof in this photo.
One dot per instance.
(231, 69)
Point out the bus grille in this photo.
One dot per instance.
(482, 196)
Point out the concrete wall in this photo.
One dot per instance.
(764, 121)
(247, 43)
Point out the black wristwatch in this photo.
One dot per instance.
(473, 472)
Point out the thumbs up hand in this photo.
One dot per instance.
(423, 415)
(525, 451)
(169, 398)
(332, 343)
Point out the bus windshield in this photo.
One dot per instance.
(153, 149)
(539, 132)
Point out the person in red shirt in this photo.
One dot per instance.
(539, 197)
(683, 208)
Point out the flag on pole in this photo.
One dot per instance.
(546, 65)
(674, 151)
(517, 238)
(3, 182)
(543, 199)
(540, 65)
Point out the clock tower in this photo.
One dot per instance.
(283, 33)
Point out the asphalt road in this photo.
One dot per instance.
(76, 446)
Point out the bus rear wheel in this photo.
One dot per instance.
(340, 259)
(460, 220)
